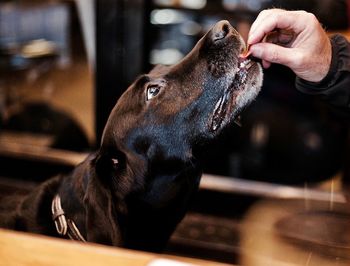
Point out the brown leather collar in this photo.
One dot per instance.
(64, 226)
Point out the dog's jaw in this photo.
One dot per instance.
(242, 86)
(251, 91)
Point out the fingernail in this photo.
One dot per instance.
(250, 38)
(246, 52)
(249, 41)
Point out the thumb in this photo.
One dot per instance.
(273, 53)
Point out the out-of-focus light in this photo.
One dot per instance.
(254, 5)
(165, 56)
(193, 4)
(37, 48)
(230, 4)
(166, 16)
(190, 28)
(164, 2)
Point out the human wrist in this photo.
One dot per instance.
(329, 73)
(326, 61)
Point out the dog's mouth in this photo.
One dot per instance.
(227, 108)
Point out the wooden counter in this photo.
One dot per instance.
(27, 249)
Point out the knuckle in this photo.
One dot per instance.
(265, 11)
(275, 56)
(299, 60)
(310, 17)
(263, 14)
(278, 16)
(302, 12)
(270, 12)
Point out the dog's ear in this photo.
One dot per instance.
(115, 172)
(100, 201)
(109, 165)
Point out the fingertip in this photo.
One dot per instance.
(251, 39)
(256, 50)
(266, 64)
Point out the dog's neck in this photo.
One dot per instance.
(65, 227)
(90, 204)
(101, 216)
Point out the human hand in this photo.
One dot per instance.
(294, 39)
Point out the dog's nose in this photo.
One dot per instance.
(220, 30)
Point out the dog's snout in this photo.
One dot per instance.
(220, 30)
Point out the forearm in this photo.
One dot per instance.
(335, 87)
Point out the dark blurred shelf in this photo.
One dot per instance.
(207, 237)
(213, 9)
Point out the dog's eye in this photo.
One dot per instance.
(152, 91)
(115, 163)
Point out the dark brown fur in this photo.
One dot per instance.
(151, 133)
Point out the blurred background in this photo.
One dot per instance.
(274, 189)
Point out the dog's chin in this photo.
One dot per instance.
(241, 87)
(160, 192)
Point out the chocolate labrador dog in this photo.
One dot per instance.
(136, 188)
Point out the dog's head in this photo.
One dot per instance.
(164, 114)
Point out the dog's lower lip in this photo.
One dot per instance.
(246, 64)
(220, 111)
(224, 104)
(249, 64)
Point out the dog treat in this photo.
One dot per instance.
(246, 52)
